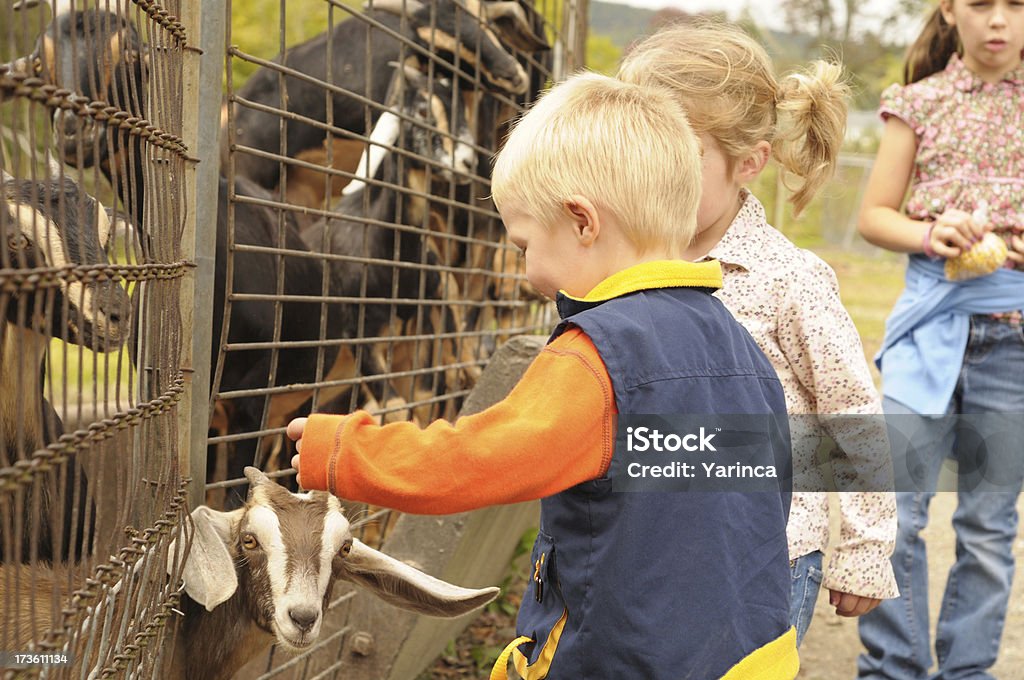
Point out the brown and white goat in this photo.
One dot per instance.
(259, 575)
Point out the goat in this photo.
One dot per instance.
(453, 27)
(87, 63)
(265, 573)
(51, 224)
(402, 263)
(251, 319)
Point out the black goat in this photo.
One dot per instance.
(51, 224)
(387, 255)
(457, 31)
(248, 319)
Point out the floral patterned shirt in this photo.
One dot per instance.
(969, 144)
(788, 299)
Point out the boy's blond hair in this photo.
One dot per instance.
(627, 148)
(725, 81)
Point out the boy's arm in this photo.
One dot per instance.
(823, 347)
(553, 431)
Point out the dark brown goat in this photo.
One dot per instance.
(50, 224)
(462, 36)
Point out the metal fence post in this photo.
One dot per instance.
(205, 22)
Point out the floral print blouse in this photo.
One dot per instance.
(788, 300)
(969, 143)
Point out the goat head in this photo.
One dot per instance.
(283, 551)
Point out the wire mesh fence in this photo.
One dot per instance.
(362, 137)
(357, 263)
(365, 150)
(90, 273)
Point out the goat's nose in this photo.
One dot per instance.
(303, 617)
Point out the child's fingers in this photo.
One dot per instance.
(1016, 254)
(295, 429)
(851, 605)
(948, 240)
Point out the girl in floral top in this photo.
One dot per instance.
(952, 137)
(786, 297)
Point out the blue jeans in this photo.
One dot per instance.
(896, 634)
(806, 574)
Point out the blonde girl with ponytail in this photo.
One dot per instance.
(785, 296)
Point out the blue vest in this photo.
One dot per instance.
(667, 585)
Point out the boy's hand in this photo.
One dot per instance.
(295, 429)
(848, 604)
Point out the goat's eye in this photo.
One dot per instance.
(249, 542)
(346, 548)
(17, 242)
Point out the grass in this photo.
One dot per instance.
(85, 371)
(868, 285)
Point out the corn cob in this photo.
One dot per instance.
(984, 257)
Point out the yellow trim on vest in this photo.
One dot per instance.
(777, 660)
(500, 669)
(539, 669)
(659, 274)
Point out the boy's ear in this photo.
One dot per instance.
(586, 223)
(751, 165)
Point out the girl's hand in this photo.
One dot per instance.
(1016, 254)
(954, 232)
(848, 604)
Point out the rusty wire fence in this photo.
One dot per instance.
(90, 283)
(363, 139)
(334, 249)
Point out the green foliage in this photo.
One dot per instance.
(603, 55)
(256, 27)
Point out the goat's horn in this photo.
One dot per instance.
(408, 7)
(516, 30)
(256, 476)
(52, 166)
(499, 9)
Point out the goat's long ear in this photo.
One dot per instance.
(403, 586)
(209, 572)
(509, 20)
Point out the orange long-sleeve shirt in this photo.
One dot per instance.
(553, 431)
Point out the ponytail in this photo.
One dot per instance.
(931, 51)
(811, 128)
(725, 80)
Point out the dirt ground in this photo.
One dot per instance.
(830, 649)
